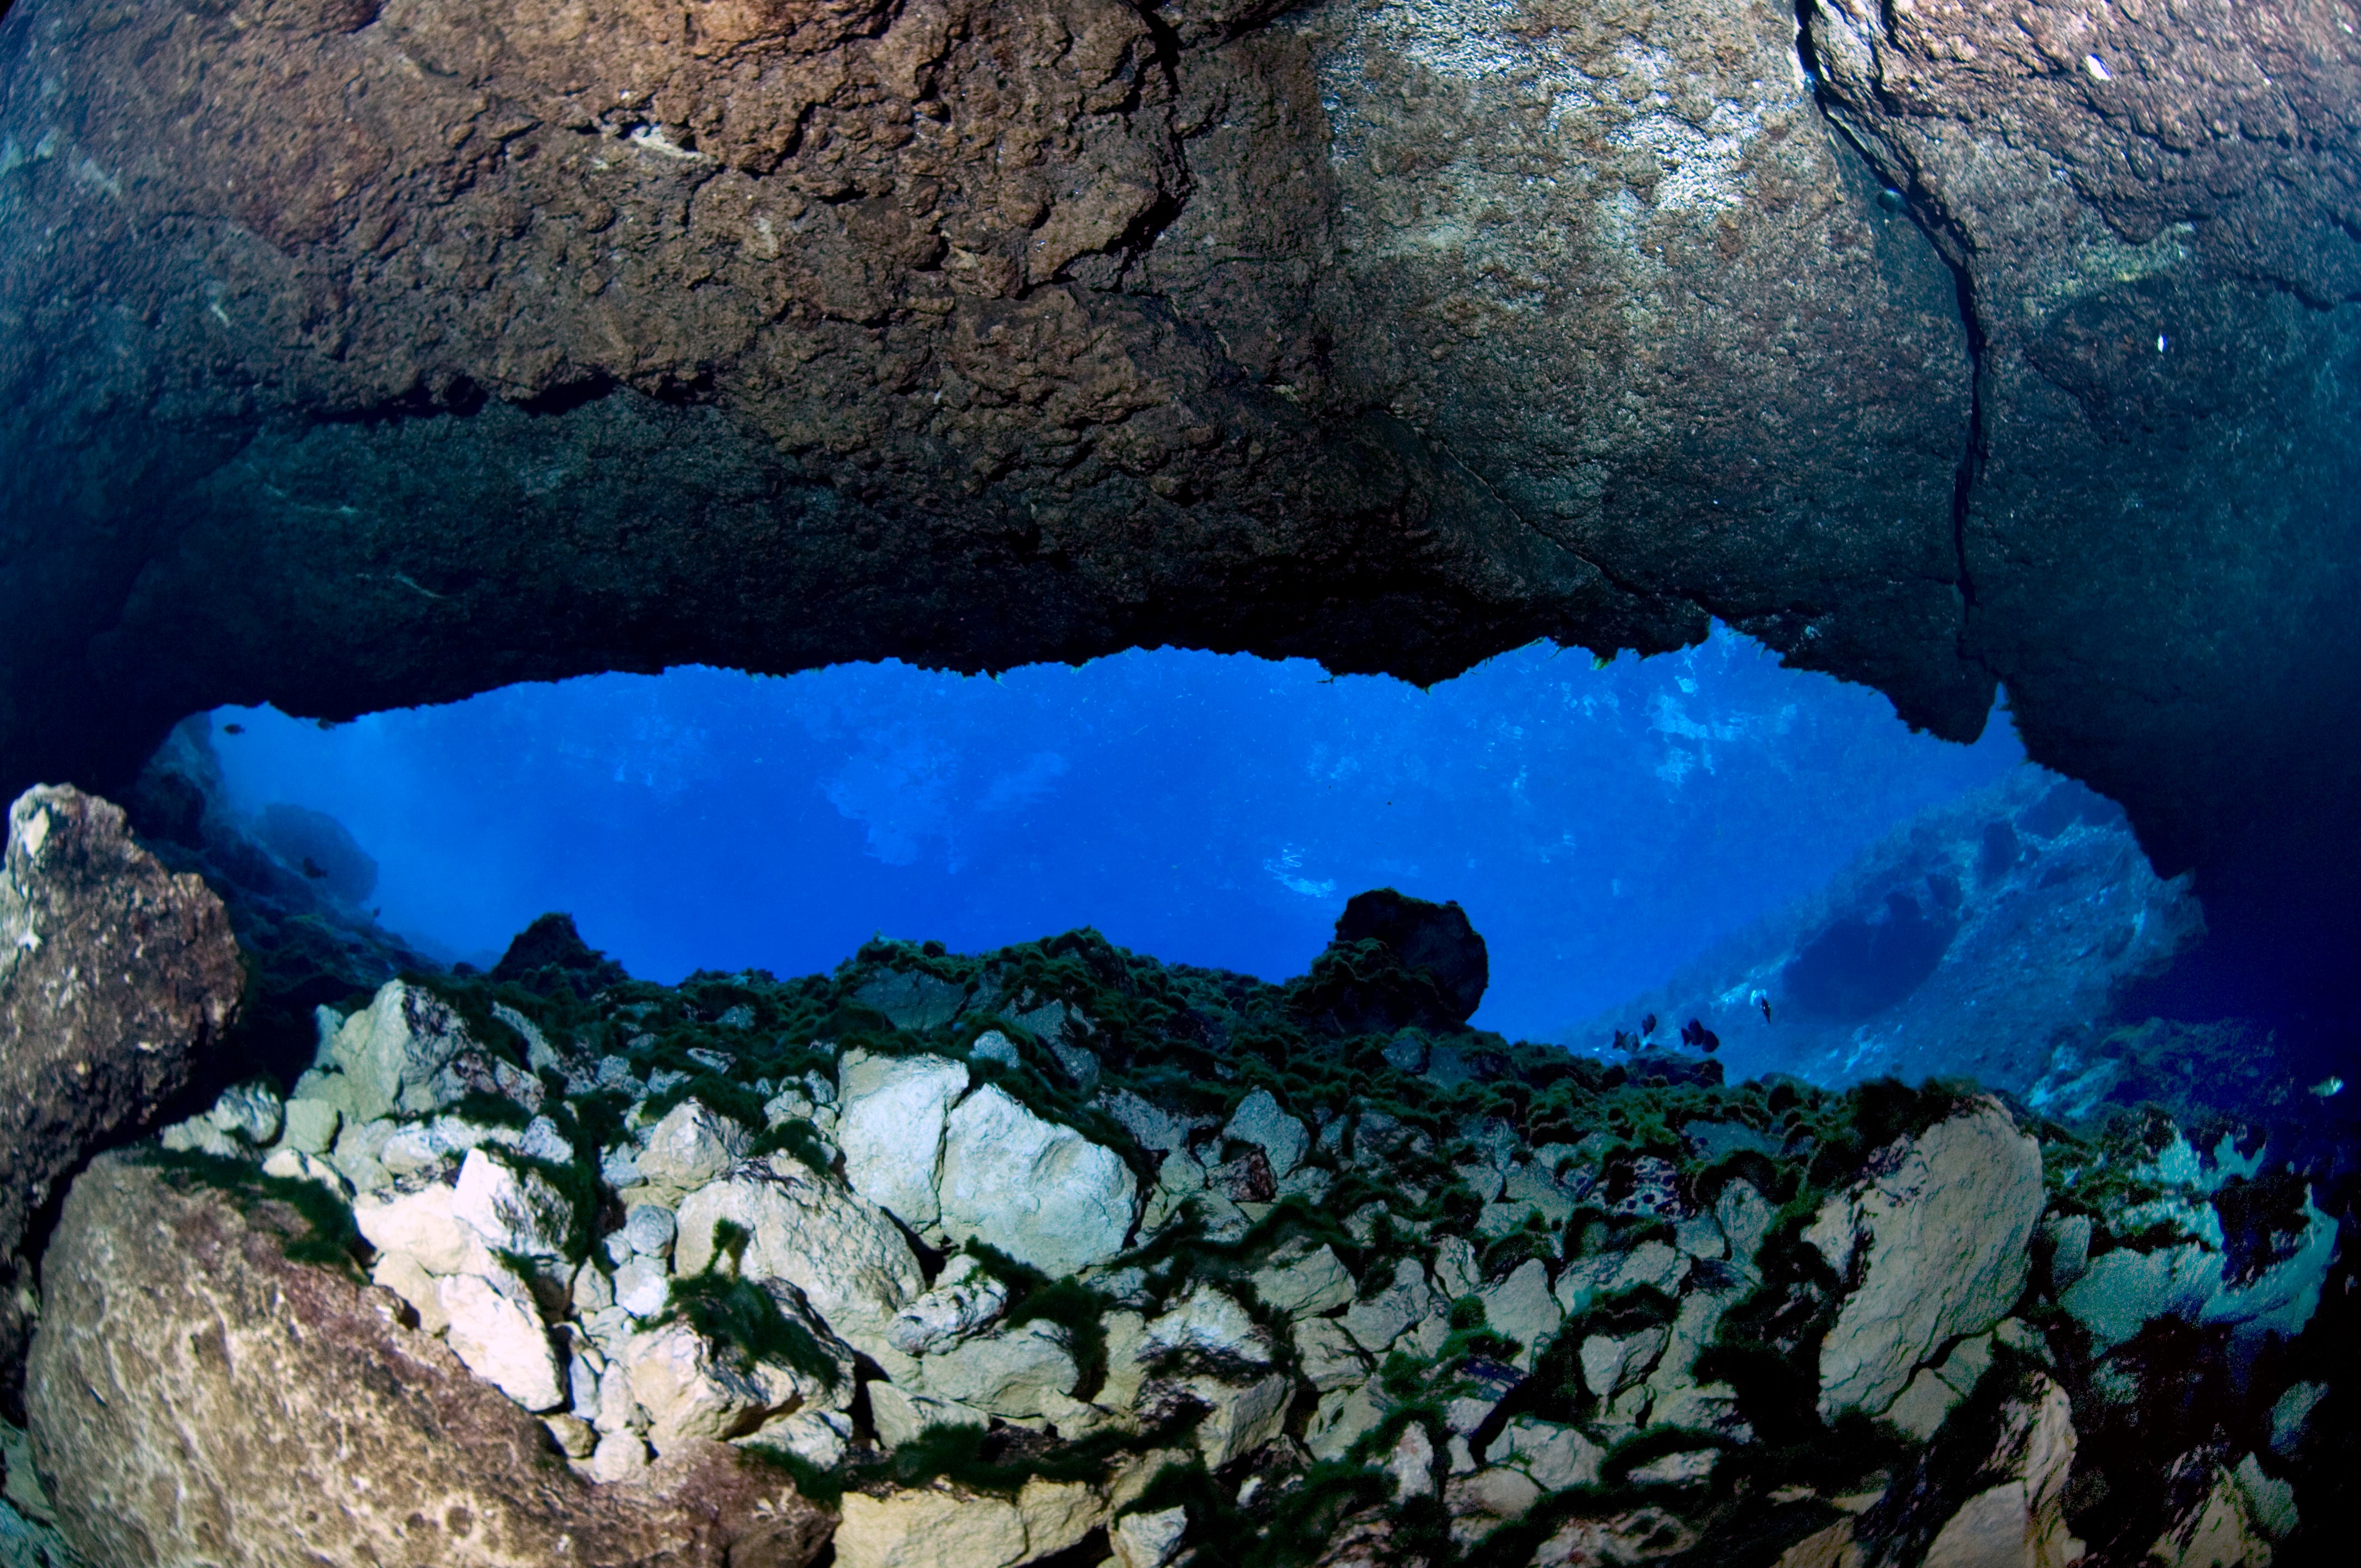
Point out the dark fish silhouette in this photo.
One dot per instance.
(1763, 1000)
(1647, 1026)
(1624, 1042)
(311, 869)
(1695, 1033)
(233, 728)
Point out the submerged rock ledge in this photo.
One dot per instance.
(980, 1260)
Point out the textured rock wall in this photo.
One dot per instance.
(358, 354)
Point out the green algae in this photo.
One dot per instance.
(328, 1238)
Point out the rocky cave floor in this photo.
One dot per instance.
(1060, 1254)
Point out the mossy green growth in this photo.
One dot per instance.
(328, 1238)
(744, 1322)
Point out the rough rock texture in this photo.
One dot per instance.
(116, 977)
(833, 1246)
(371, 354)
(172, 1318)
(891, 1129)
(1043, 1194)
(946, 1528)
(1937, 1238)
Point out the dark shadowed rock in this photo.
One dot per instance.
(116, 977)
(551, 952)
(1396, 962)
(197, 1397)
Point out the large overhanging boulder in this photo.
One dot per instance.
(372, 353)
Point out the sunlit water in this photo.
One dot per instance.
(1600, 825)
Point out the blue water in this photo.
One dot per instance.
(1600, 825)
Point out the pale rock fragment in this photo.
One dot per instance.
(1299, 1281)
(1343, 1416)
(649, 1229)
(512, 1211)
(890, 1126)
(692, 1388)
(643, 1287)
(1377, 1321)
(1556, 1457)
(964, 1301)
(1327, 1355)
(1008, 1373)
(1210, 1323)
(309, 1126)
(420, 1222)
(805, 1228)
(1611, 1363)
(1944, 1233)
(1482, 1502)
(817, 1437)
(1148, 1539)
(1521, 1308)
(621, 1455)
(2021, 1521)
(1455, 1273)
(500, 1337)
(944, 1527)
(294, 1165)
(408, 1279)
(1039, 1192)
(692, 1145)
(1259, 1120)
(1412, 1462)
(900, 1416)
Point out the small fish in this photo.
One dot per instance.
(1624, 1042)
(1763, 1000)
(1648, 1026)
(233, 728)
(1695, 1033)
(2329, 1086)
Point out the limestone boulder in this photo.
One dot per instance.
(963, 1301)
(692, 1145)
(116, 977)
(944, 1527)
(1260, 1122)
(1022, 1371)
(1939, 1242)
(692, 1387)
(2020, 1521)
(805, 1228)
(890, 1125)
(1375, 1322)
(1301, 1281)
(170, 1310)
(510, 1210)
(408, 1052)
(1148, 1539)
(1041, 1193)
(1210, 1323)
(493, 1326)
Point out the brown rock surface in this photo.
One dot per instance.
(360, 353)
(172, 1318)
(115, 975)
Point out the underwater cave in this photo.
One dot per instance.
(948, 784)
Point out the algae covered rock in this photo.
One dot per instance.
(335, 1434)
(795, 1224)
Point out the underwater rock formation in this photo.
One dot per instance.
(362, 354)
(1994, 936)
(117, 977)
(694, 1274)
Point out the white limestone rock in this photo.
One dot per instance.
(511, 1210)
(891, 1118)
(408, 1279)
(1521, 1308)
(643, 1287)
(944, 1527)
(1039, 1192)
(1210, 1323)
(1456, 1274)
(964, 1301)
(499, 1336)
(309, 1126)
(249, 1112)
(1327, 1355)
(1377, 1321)
(1259, 1120)
(1947, 1230)
(691, 1388)
(2020, 1522)
(1483, 1501)
(1148, 1539)
(622, 1455)
(1012, 1373)
(1245, 1413)
(900, 1415)
(1342, 1419)
(817, 1437)
(1611, 1363)
(420, 1223)
(803, 1227)
(294, 1165)
(1556, 1457)
(395, 1054)
(692, 1145)
(1412, 1462)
